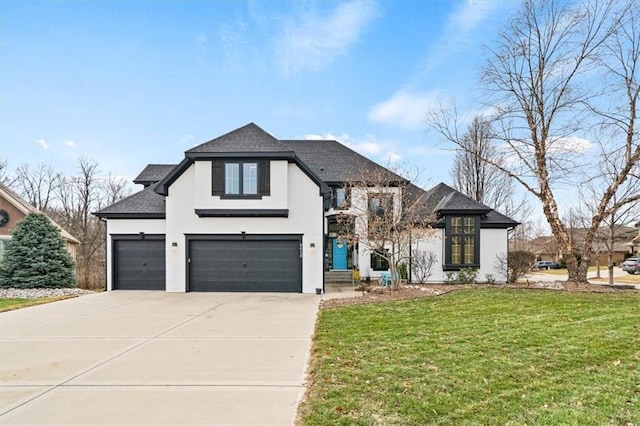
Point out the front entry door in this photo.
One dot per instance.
(339, 254)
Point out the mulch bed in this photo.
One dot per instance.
(431, 290)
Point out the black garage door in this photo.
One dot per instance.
(139, 264)
(245, 265)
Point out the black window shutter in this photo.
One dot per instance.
(217, 177)
(264, 179)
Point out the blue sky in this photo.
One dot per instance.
(128, 83)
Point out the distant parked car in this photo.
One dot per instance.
(545, 264)
(631, 265)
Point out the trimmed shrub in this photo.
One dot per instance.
(463, 276)
(35, 257)
(519, 264)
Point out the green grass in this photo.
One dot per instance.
(629, 279)
(488, 357)
(11, 304)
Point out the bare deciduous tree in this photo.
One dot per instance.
(422, 263)
(540, 79)
(385, 215)
(79, 196)
(69, 200)
(38, 185)
(474, 177)
(5, 178)
(612, 232)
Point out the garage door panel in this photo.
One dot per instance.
(139, 264)
(245, 265)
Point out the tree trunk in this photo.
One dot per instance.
(577, 271)
(610, 267)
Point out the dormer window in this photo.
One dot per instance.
(240, 178)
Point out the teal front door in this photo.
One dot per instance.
(339, 254)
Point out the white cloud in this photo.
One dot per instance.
(327, 137)
(235, 44)
(185, 139)
(393, 157)
(461, 30)
(201, 39)
(311, 42)
(470, 15)
(43, 144)
(404, 109)
(69, 143)
(570, 144)
(369, 147)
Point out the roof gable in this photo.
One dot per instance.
(153, 173)
(324, 161)
(334, 162)
(445, 200)
(21, 204)
(145, 204)
(249, 138)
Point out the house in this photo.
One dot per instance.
(249, 212)
(634, 245)
(607, 239)
(13, 209)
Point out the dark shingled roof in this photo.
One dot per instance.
(328, 160)
(442, 199)
(249, 138)
(335, 163)
(153, 173)
(143, 204)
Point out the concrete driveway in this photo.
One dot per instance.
(139, 357)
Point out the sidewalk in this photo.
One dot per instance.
(604, 280)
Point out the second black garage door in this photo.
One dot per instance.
(251, 265)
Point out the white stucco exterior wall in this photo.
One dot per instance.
(290, 189)
(359, 208)
(493, 242)
(433, 244)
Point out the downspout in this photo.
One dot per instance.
(324, 242)
(509, 232)
(324, 248)
(410, 259)
(103, 220)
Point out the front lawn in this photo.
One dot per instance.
(627, 279)
(11, 304)
(478, 357)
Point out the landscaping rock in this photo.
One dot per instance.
(36, 293)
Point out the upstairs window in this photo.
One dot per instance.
(380, 212)
(240, 179)
(339, 198)
(380, 205)
(462, 249)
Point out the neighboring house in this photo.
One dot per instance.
(634, 245)
(546, 248)
(249, 212)
(604, 242)
(13, 209)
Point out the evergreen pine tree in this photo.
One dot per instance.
(35, 257)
